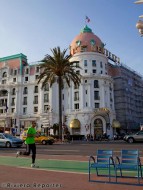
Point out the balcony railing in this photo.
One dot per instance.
(35, 102)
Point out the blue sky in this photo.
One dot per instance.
(33, 27)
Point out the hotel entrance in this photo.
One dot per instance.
(98, 128)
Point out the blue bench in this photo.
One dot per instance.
(103, 160)
(129, 161)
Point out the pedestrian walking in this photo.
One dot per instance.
(30, 144)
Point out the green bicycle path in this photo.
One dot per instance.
(47, 164)
(54, 165)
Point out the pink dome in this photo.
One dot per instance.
(86, 41)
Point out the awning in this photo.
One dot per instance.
(116, 124)
(75, 124)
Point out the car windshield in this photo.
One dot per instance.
(8, 136)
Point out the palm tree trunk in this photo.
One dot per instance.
(60, 108)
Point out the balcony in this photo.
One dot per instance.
(76, 98)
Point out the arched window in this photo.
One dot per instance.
(4, 74)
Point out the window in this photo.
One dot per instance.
(85, 63)
(4, 75)
(85, 71)
(13, 102)
(36, 89)
(78, 72)
(85, 81)
(36, 77)
(25, 91)
(101, 72)
(13, 91)
(46, 108)
(46, 87)
(76, 86)
(14, 79)
(96, 95)
(12, 110)
(96, 85)
(35, 109)
(110, 87)
(84, 48)
(86, 92)
(86, 104)
(78, 43)
(101, 65)
(46, 97)
(24, 111)
(76, 96)
(1, 110)
(94, 71)
(3, 82)
(93, 63)
(111, 97)
(96, 105)
(76, 106)
(26, 79)
(15, 72)
(27, 71)
(92, 42)
(77, 64)
(37, 69)
(35, 100)
(25, 101)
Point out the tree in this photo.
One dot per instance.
(58, 66)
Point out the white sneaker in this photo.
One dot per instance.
(34, 166)
(17, 154)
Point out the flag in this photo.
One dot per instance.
(87, 19)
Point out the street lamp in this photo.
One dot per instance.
(139, 24)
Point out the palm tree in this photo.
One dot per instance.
(58, 66)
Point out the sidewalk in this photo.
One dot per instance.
(29, 178)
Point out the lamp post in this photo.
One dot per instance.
(139, 24)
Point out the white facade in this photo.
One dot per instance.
(90, 103)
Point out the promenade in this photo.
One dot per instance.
(68, 172)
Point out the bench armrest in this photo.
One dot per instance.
(92, 158)
(117, 160)
(111, 161)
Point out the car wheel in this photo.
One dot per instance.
(8, 144)
(130, 140)
(44, 142)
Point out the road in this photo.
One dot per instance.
(79, 148)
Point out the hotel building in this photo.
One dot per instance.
(92, 108)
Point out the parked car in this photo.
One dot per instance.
(41, 138)
(7, 140)
(135, 137)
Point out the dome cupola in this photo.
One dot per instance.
(86, 41)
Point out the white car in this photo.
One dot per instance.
(7, 140)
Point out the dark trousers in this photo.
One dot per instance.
(29, 148)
